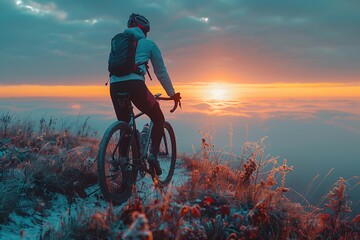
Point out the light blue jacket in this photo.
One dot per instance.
(147, 50)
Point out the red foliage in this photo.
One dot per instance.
(207, 201)
(225, 210)
(356, 219)
(184, 210)
(259, 214)
(249, 168)
(249, 232)
(196, 211)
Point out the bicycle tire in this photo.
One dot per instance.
(114, 184)
(167, 155)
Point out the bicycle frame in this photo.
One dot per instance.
(121, 159)
(132, 123)
(125, 101)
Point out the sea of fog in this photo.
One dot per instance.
(320, 138)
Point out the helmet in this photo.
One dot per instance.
(136, 20)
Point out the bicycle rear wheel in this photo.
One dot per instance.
(115, 169)
(167, 155)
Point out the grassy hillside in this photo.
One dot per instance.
(225, 196)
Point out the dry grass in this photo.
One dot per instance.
(225, 197)
(36, 162)
(249, 201)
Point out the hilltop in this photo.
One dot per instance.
(49, 191)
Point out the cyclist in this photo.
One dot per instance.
(134, 85)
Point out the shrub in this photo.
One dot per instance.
(36, 164)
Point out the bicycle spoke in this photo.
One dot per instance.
(116, 148)
(113, 162)
(120, 166)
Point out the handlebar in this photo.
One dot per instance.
(176, 98)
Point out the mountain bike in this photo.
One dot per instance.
(123, 154)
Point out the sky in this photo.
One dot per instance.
(234, 41)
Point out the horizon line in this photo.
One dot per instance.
(279, 89)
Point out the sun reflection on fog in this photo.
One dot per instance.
(75, 106)
(264, 101)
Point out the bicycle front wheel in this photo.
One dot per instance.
(167, 155)
(115, 157)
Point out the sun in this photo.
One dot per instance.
(217, 92)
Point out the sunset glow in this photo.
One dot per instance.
(53, 91)
(217, 91)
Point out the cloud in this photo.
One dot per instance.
(40, 9)
(44, 41)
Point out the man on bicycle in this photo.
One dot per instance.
(134, 84)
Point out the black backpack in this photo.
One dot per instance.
(122, 56)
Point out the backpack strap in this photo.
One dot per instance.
(147, 69)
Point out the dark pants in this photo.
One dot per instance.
(143, 100)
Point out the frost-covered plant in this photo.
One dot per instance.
(139, 229)
(339, 208)
(97, 225)
(12, 188)
(49, 161)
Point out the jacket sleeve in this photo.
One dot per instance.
(160, 70)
